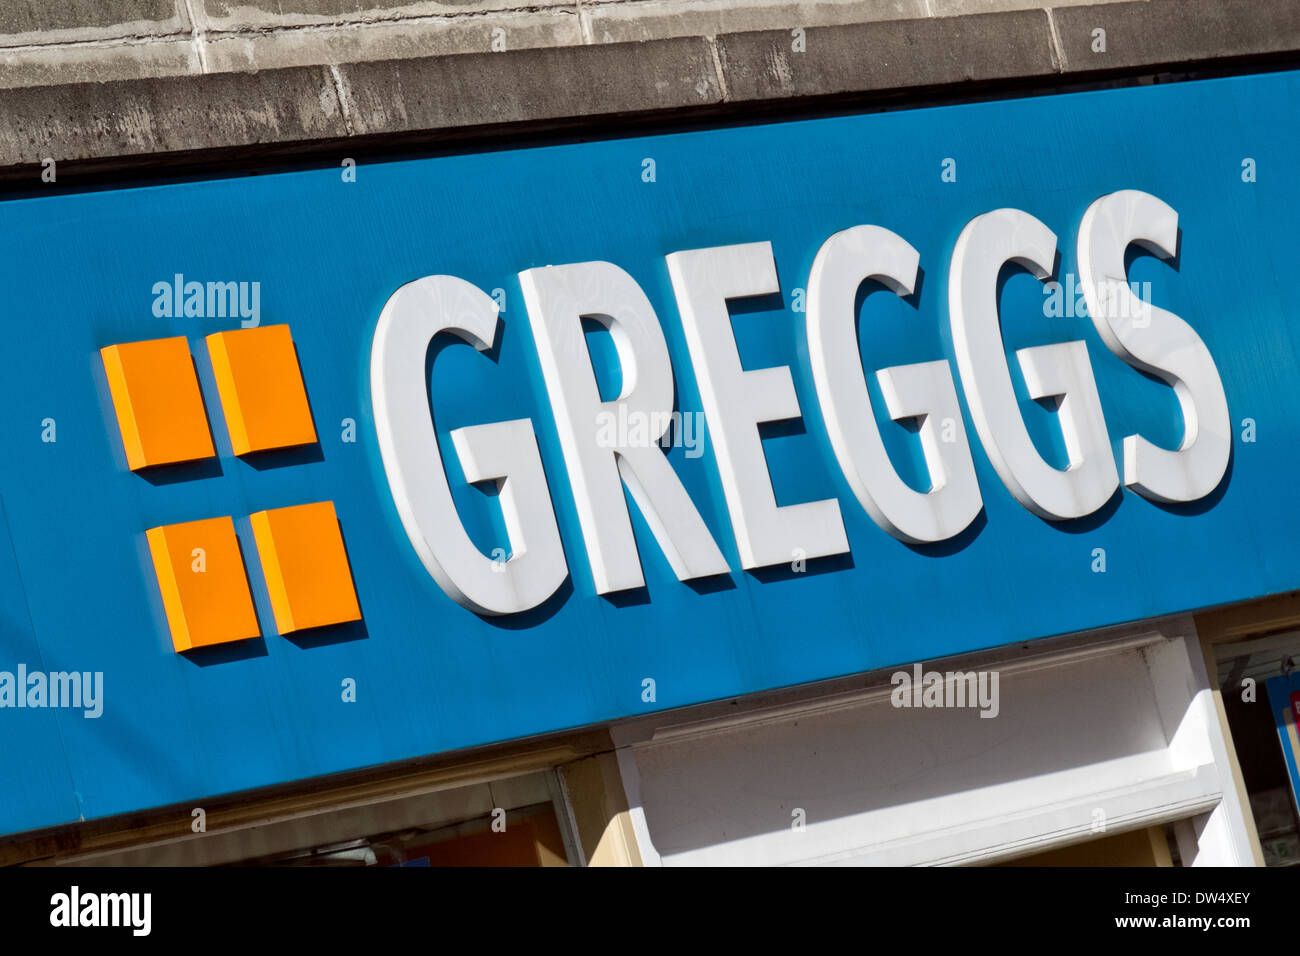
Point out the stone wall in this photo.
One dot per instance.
(107, 84)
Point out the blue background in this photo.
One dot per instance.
(77, 590)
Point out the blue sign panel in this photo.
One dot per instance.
(93, 582)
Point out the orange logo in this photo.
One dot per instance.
(199, 564)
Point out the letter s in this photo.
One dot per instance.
(1162, 344)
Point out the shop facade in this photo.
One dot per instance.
(819, 484)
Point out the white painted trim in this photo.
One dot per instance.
(650, 732)
(559, 789)
(1144, 804)
(1187, 782)
(631, 778)
(1225, 838)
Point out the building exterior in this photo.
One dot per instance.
(650, 433)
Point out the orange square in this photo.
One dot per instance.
(158, 403)
(261, 389)
(306, 566)
(204, 587)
